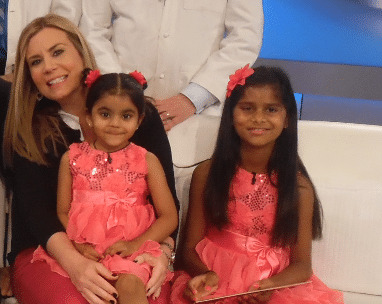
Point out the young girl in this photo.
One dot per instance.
(253, 209)
(105, 186)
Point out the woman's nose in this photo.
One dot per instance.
(49, 65)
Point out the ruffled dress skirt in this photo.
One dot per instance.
(101, 218)
(240, 261)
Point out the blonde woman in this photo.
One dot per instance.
(46, 113)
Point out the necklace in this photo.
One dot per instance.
(109, 159)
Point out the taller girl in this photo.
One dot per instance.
(253, 208)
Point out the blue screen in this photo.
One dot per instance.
(324, 31)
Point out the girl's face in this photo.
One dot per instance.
(260, 116)
(55, 66)
(114, 119)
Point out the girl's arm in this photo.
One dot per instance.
(152, 136)
(204, 281)
(64, 190)
(167, 216)
(64, 198)
(195, 223)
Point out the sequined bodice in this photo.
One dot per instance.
(252, 204)
(124, 172)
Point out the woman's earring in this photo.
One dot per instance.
(39, 96)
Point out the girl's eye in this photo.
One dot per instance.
(272, 109)
(105, 114)
(246, 108)
(126, 116)
(58, 52)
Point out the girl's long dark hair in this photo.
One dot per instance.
(284, 161)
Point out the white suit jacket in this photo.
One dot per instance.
(174, 42)
(22, 12)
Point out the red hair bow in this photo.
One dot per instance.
(92, 76)
(138, 76)
(238, 78)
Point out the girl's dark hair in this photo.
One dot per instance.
(116, 84)
(284, 161)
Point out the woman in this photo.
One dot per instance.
(46, 113)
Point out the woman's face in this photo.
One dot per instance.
(56, 66)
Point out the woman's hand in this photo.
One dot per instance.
(201, 286)
(88, 251)
(160, 268)
(123, 248)
(5, 282)
(91, 280)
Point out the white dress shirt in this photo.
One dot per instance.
(175, 42)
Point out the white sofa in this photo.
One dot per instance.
(345, 164)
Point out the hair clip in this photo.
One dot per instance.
(238, 78)
(92, 76)
(138, 76)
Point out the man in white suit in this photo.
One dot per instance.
(185, 48)
(21, 12)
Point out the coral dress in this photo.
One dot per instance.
(109, 203)
(241, 253)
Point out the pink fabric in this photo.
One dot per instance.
(109, 203)
(241, 254)
(36, 283)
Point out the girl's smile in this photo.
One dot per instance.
(260, 117)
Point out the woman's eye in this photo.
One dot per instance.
(58, 52)
(35, 62)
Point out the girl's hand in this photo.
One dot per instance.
(261, 297)
(160, 267)
(202, 285)
(88, 251)
(123, 248)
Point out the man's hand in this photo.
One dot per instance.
(174, 110)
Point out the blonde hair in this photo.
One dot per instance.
(29, 132)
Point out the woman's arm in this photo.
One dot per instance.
(35, 216)
(89, 277)
(64, 190)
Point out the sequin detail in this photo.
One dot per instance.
(252, 207)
